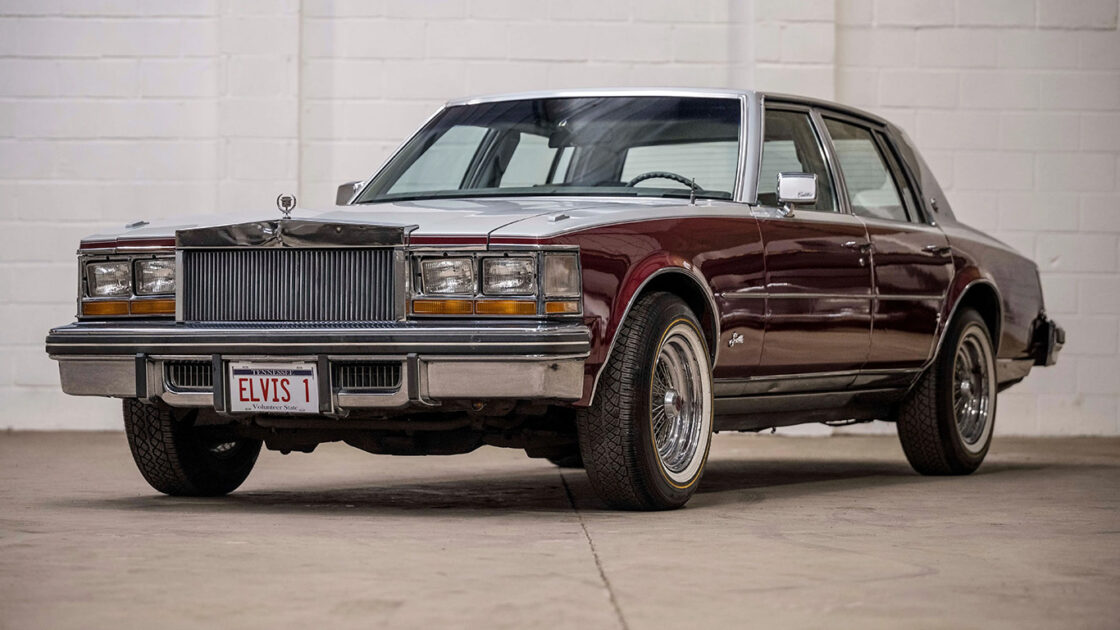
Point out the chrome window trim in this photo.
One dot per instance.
(601, 93)
(824, 143)
(754, 126)
(744, 185)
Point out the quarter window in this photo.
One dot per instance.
(872, 191)
(791, 146)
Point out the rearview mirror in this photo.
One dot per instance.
(347, 192)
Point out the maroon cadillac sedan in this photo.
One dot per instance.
(603, 278)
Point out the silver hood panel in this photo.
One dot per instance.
(532, 217)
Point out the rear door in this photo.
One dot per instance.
(818, 272)
(911, 258)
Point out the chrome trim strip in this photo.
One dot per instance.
(739, 192)
(343, 344)
(491, 329)
(912, 297)
(178, 285)
(809, 375)
(512, 377)
(754, 127)
(745, 295)
(832, 163)
(600, 93)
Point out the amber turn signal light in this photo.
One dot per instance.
(110, 307)
(505, 307)
(153, 307)
(566, 307)
(442, 307)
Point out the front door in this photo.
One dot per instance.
(912, 261)
(818, 267)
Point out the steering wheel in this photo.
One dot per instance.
(665, 175)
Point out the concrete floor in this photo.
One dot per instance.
(789, 532)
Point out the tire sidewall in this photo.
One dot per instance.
(964, 459)
(210, 473)
(667, 315)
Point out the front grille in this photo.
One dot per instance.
(190, 375)
(366, 376)
(288, 285)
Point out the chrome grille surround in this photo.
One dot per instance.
(288, 285)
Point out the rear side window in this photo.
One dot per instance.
(872, 191)
(791, 146)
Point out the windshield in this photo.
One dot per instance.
(636, 146)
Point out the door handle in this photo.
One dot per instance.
(940, 250)
(864, 247)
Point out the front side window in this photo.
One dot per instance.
(872, 191)
(642, 146)
(791, 146)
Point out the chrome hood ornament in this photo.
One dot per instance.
(286, 203)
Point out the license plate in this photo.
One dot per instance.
(289, 387)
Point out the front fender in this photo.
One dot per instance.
(660, 271)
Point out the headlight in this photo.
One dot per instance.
(509, 276)
(155, 277)
(561, 275)
(452, 276)
(109, 279)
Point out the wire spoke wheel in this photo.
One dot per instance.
(644, 440)
(945, 423)
(677, 400)
(972, 388)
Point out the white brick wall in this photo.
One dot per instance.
(1022, 129)
(117, 110)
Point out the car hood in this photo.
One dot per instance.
(521, 216)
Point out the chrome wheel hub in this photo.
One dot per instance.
(678, 401)
(673, 404)
(973, 389)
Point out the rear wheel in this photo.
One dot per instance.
(645, 439)
(945, 424)
(178, 458)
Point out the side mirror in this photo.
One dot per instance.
(347, 192)
(795, 188)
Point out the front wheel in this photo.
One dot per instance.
(645, 438)
(180, 459)
(945, 424)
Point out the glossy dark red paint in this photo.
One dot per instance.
(802, 293)
(128, 242)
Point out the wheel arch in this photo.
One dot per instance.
(686, 284)
(982, 295)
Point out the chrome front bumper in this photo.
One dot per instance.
(468, 361)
